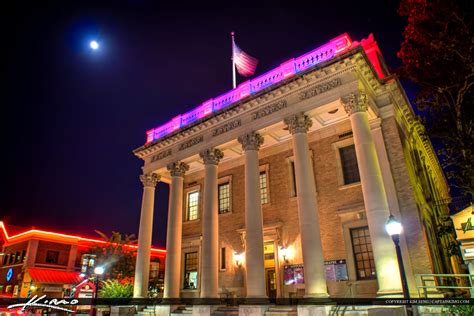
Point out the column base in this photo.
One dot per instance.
(316, 295)
(313, 310)
(390, 293)
(252, 310)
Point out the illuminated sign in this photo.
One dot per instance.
(463, 223)
(9, 274)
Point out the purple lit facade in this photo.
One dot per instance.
(335, 47)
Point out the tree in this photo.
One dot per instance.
(116, 256)
(116, 289)
(437, 55)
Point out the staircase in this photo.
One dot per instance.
(339, 310)
(182, 310)
(153, 311)
(282, 311)
(226, 311)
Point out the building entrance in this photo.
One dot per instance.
(270, 272)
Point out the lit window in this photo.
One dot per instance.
(224, 197)
(363, 254)
(154, 270)
(223, 262)
(263, 187)
(87, 263)
(193, 204)
(190, 270)
(350, 170)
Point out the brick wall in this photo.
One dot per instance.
(339, 206)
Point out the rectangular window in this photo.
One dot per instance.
(87, 263)
(23, 255)
(363, 254)
(6, 259)
(223, 262)
(190, 270)
(193, 205)
(224, 197)
(263, 187)
(52, 256)
(293, 178)
(17, 257)
(350, 170)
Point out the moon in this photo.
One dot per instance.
(94, 45)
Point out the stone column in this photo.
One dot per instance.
(210, 225)
(142, 268)
(174, 230)
(313, 260)
(254, 257)
(375, 199)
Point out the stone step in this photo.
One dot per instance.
(226, 311)
(282, 311)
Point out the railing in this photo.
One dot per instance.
(439, 283)
(289, 68)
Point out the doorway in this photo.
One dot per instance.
(270, 272)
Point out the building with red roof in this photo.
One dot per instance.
(34, 261)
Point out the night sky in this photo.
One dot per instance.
(70, 116)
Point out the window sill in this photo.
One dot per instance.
(189, 290)
(349, 186)
(225, 214)
(192, 221)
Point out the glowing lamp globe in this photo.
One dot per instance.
(99, 270)
(393, 227)
(94, 45)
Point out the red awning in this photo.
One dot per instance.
(54, 276)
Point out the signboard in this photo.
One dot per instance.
(9, 274)
(336, 270)
(293, 274)
(464, 224)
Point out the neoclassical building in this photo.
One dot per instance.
(282, 186)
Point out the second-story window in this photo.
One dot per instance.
(224, 197)
(350, 170)
(192, 206)
(52, 256)
(263, 187)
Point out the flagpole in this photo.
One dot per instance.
(234, 81)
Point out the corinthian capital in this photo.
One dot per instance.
(298, 123)
(149, 179)
(211, 156)
(177, 169)
(355, 102)
(251, 141)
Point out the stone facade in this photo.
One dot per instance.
(299, 142)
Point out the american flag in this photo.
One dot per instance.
(244, 63)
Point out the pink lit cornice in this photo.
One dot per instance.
(333, 48)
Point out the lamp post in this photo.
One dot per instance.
(98, 271)
(394, 228)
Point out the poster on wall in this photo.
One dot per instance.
(336, 270)
(293, 274)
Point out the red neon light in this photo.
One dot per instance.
(60, 236)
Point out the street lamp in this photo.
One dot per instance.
(394, 229)
(98, 271)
